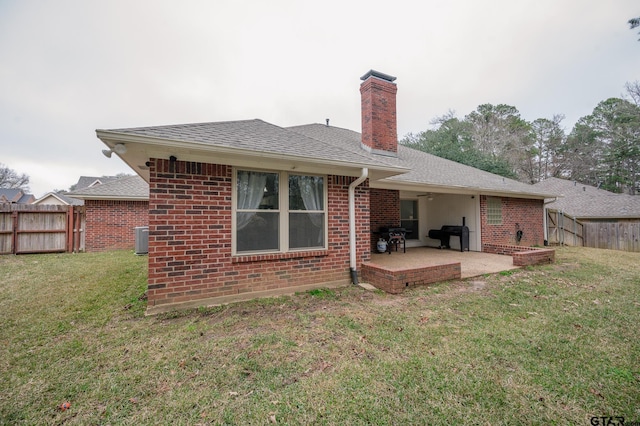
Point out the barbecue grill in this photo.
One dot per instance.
(444, 235)
(394, 237)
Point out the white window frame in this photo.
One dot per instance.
(283, 211)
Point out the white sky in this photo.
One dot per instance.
(70, 67)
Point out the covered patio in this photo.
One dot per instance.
(397, 271)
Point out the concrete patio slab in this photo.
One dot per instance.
(472, 263)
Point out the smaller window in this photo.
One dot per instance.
(494, 211)
(409, 218)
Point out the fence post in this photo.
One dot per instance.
(14, 235)
(69, 229)
(77, 224)
(561, 227)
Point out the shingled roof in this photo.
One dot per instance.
(15, 196)
(62, 199)
(88, 181)
(123, 188)
(426, 169)
(588, 202)
(331, 149)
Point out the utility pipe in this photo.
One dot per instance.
(352, 224)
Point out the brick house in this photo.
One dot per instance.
(15, 196)
(114, 207)
(244, 209)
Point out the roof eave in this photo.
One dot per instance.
(456, 189)
(154, 147)
(111, 197)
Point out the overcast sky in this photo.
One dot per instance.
(68, 68)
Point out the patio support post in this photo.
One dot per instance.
(352, 224)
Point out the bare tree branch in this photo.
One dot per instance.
(634, 23)
(10, 179)
(633, 90)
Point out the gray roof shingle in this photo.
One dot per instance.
(251, 135)
(424, 168)
(126, 187)
(61, 197)
(588, 202)
(16, 196)
(87, 181)
(323, 145)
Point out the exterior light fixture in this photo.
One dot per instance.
(119, 149)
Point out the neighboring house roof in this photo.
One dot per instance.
(427, 169)
(60, 199)
(588, 202)
(89, 181)
(15, 196)
(329, 149)
(123, 188)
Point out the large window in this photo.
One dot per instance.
(306, 211)
(494, 211)
(278, 212)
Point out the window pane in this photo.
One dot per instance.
(409, 218)
(306, 230)
(257, 190)
(408, 209)
(260, 231)
(412, 229)
(306, 192)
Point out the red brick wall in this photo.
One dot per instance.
(396, 281)
(379, 125)
(190, 238)
(385, 211)
(110, 224)
(517, 214)
(522, 256)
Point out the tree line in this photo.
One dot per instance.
(602, 149)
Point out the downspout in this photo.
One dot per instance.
(352, 224)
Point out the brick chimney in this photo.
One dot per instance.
(379, 126)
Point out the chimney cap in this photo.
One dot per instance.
(378, 74)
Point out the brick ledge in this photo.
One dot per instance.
(523, 256)
(278, 256)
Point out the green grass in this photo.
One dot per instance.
(546, 345)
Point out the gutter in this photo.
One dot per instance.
(352, 224)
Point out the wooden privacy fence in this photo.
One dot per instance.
(27, 228)
(563, 229)
(622, 235)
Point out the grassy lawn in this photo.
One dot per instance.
(547, 345)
